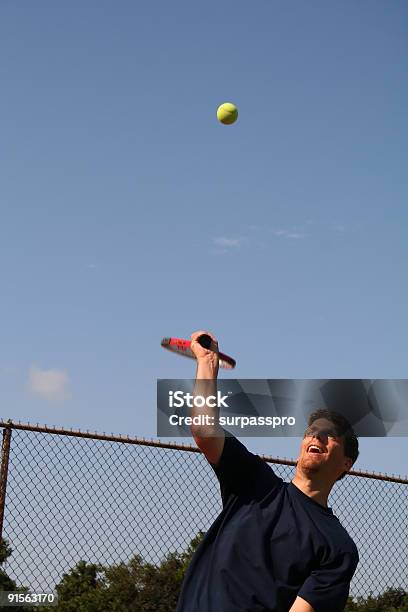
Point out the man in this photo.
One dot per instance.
(276, 546)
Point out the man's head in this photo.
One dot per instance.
(329, 447)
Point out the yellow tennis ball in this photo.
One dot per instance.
(227, 113)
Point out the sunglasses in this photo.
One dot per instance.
(312, 432)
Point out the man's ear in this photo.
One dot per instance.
(348, 463)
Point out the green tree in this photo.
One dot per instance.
(5, 550)
(403, 607)
(392, 600)
(82, 589)
(137, 586)
(6, 583)
(161, 586)
(125, 582)
(187, 556)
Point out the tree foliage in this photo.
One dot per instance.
(6, 583)
(5, 550)
(139, 586)
(136, 586)
(143, 587)
(392, 600)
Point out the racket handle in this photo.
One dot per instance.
(205, 341)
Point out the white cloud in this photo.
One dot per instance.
(49, 384)
(294, 235)
(226, 242)
(290, 234)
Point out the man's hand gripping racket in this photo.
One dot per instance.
(202, 345)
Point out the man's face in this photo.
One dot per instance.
(322, 451)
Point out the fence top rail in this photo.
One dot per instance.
(77, 433)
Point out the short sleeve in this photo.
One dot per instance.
(327, 588)
(242, 473)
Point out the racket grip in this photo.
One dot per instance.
(205, 341)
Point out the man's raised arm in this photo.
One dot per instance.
(300, 605)
(209, 438)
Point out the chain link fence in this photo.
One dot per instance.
(70, 496)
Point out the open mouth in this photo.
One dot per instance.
(313, 448)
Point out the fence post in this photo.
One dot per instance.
(5, 453)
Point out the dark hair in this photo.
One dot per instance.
(345, 430)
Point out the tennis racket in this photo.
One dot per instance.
(182, 347)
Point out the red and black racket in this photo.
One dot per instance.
(182, 347)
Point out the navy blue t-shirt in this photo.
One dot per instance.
(270, 544)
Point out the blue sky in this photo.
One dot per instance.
(128, 213)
